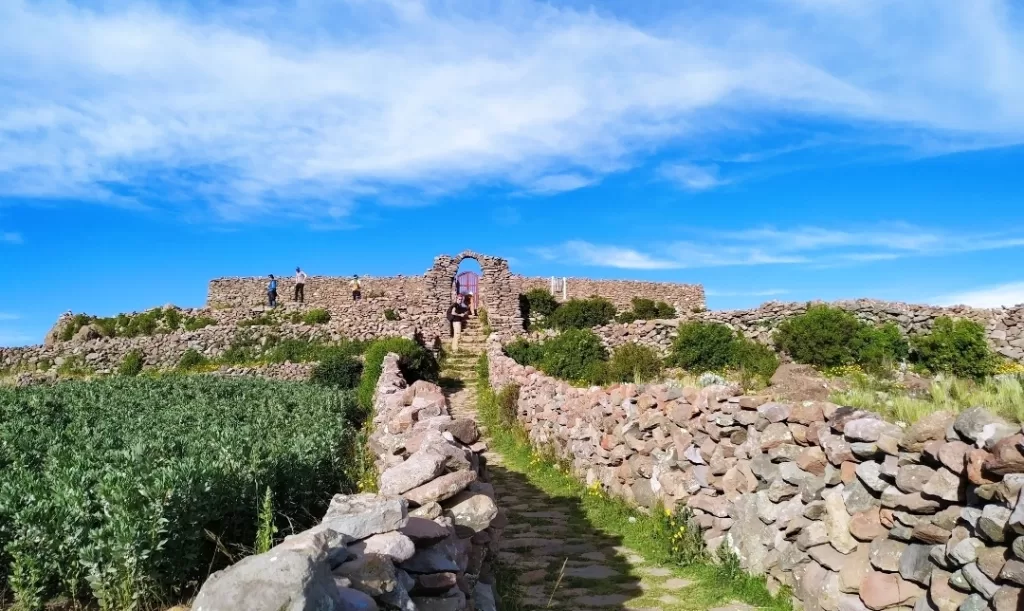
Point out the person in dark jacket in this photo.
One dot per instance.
(272, 291)
(457, 311)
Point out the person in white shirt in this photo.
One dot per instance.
(300, 286)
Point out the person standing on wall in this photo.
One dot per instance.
(272, 291)
(300, 286)
(357, 294)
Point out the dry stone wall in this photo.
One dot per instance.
(104, 354)
(320, 291)
(425, 542)
(683, 297)
(1004, 327)
(850, 511)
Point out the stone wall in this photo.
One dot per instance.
(850, 511)
(426, 541)
(683, 297)
(106, 353)
(320, 291)
(1004, 327)
(497, 295)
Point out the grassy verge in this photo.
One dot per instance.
(1002, 394)
(661, 537)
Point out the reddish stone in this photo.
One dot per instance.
(883, 590)
(848, 472)
(975, 463)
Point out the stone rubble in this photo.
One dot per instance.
(930, 516)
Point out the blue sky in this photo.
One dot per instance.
(788, 149)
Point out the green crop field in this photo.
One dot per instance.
(128, 492)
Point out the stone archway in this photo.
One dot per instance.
(496, 291)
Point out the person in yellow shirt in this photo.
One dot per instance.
(356, 292)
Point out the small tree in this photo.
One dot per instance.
(703, 346)
(955, 346)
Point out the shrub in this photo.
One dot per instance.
(172, 318)
(826, 336)
(570, 355)
(261, 320)
(317, 316)
(634, 363)
(955, 346)
(524, 352)
(137, 484)
(754, 360)
(74, 325)
(337, 370)
(132, 364)
(192, 360)
(703, 346)
(417, 363)
(390, 314)
(508, 404)
(582, 314)
(879, 348)
(195, 323)
(537, 302)
(646, 309)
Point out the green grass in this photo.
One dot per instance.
(656, 536)
(1002, 394)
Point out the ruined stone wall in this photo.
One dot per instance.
(426, 541)
(497, 293)
(1004, 327)
(320, 291)
(683, 297)
(104, 354)
(850, 511)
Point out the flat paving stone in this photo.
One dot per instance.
(654, 571)
(601, 600)
(594, 571)
(735, 606)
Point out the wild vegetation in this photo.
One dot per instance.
(150, 322)
(140, 487)
(646, 309)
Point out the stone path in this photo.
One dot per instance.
(563, 562)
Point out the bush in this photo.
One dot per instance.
(390, 314)
(417, 363)
(826, 336)
(172, 318)
(259, 321)
(138, 483)
(524, 352)
(192, 360)
(317, 316)
(957, 347)
(646, 309)
(537, 302)
(337, 370)
(634, 363)
(195, 323)
(508, 404)
(571, 355)
(132, 364)
(754, 360)
(701, 346)
(582, 314)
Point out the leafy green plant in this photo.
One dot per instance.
(195, 323)
(632, 362)
(192, 360)
(825, 336)
(955, 346)
(337, 370)
(582, 314)
(703, 346)
(132, 364)
(754, 360)
(646, 309)
(485, 321)
(74, 365)
(390, 314)
(317, 316)
(266, 528)
(172, 318)
(508, 404)
(571, 354)
(138, 484)
(264, 319)
(525, 352)
(537, 302)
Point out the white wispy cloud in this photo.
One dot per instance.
(693, 177)
(6, 316)
(1009, 294)
(10, 237)
(814, 246)
(752, 293)
(290, 107)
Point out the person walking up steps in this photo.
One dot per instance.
(356, 293)
(272, 291)
(300, 286)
